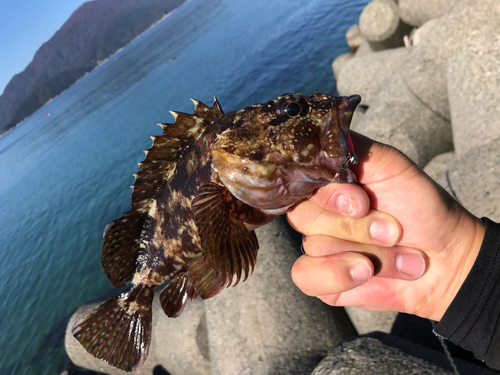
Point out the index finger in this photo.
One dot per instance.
(376, 228)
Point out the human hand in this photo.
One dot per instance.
(397, 241)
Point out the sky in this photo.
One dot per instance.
(24, 26)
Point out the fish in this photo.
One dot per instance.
(205, 185)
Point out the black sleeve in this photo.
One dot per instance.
(472, 321)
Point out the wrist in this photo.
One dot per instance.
(463, 251)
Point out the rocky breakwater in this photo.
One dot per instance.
(435, 95)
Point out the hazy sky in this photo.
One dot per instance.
(24, 26)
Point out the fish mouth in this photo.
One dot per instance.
(339, 153)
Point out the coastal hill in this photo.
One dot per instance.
(94, 31)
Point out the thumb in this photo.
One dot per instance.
(378, 161)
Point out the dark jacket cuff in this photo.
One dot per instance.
(472, 319)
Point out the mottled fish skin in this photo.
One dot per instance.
(272, 162)
(207, 182)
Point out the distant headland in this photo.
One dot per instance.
(95, 31)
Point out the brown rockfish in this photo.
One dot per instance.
(207, 182)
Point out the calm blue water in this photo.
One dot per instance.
(64, 177)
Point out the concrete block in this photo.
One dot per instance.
(366, 355)
(412, 111)
(381, 26)
(366, 75)
(474, 88)
(179, 345)
(417, 35)
(267, 325)
(425, 71)
(364, 48)
(380, 353)
(339, 63)
(354, 38)
(416, 13)
(398, 118)
(366, 321)
(358, 116)
(475, 178)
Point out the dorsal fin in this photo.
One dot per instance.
(122, 236)
(217, 108)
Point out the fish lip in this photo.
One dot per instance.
(345, 119)
(344, 114)
(353, 102)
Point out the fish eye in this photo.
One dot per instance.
(293, 109)
(292, 106)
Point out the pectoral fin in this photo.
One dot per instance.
(229, 248)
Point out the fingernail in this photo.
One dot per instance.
(360, 272)
(347, 204)
(384, 230)
(411, 264)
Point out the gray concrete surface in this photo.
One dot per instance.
(475, 179)
(358, 115)
(367, 75)
(364, 48)
(417, 35)
(416, 13)
(380, 353)
(181, 344)
(366, 321)
(474, 88)
(412, 111)
(353, 37)
(339, 63)
(425, 72)
(381, 25)
(398, 118)
(366, 355)
(267, 325)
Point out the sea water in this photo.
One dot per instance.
(65, 171)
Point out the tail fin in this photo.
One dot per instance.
(119, 330)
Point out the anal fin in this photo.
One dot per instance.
(176, 294)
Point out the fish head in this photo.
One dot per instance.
(278, 153)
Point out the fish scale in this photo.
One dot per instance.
(206, 183)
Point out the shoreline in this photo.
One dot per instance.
(99, 64)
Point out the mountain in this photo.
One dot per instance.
(94, 32)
